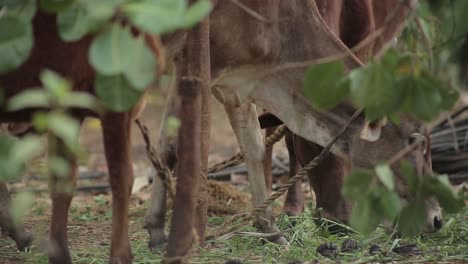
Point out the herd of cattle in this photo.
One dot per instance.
(246, 55)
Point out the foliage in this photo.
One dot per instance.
(123, 60)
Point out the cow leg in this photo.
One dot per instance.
(326, 180)
(18, 233)
(116, 135)
(245, 123)
(61, 191)
(166, 150)
(294, 202)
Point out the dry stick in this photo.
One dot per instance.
(302, 173)
(239, 157)
(162, 170)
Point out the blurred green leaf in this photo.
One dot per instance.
(116, 92)
(21, 9)
(110, 52)
(102, 9)
(196, 12)
(55, 6)
(56, 86)
(357, 184)
(15, 153)
(363, 217)
(412, 218)
(59, 166)
(173, 125)
(385, 175)
(373, 88)
(26, 148)
(141, 70)
(20, 205)
(409, 173)
(324, 84)
(28, 99)
(65, 128)
(79, 100)
(388, 203)
(156, 17)
(16, 42)
(440, 188)
(422, 96)
(74, 23)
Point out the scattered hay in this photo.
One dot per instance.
(226, 199)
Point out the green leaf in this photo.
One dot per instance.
(102, 9)
(16, 42)
(39, 121)
(55, 6)
(79, 100)
(373, 88)
(412, 218)
(59, 166)
(56, 86)
(141, 70)
(363, 218)
(412, 179)
(440, 188)
(110, 50)
(173, 125)
(15, 153)
(26, 148)
(74, 23)
(385, 175)
(357, 184)
(21, 9)
(9, 168)
(324, 84)
(196, 12)
(388, 203)
(20, 204)
(422, 96)
(65, 128)
(116, 93)
(28, 99)
(156, 16)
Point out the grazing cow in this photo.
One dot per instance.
(327, 178)
(248, 42)
(71, 60)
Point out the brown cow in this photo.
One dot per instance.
(326, 179)
(246, 48)
(71, 60)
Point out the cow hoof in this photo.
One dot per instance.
(281, 240)
(374, 249)
(292, 210)
(327, 250)
(58, 253)
(157, 241)
(349, 245)
(407, 250)
(24, 241)
(121, 260)
(234, 261)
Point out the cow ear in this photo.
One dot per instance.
(371, 130)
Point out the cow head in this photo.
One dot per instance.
(386, 141)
